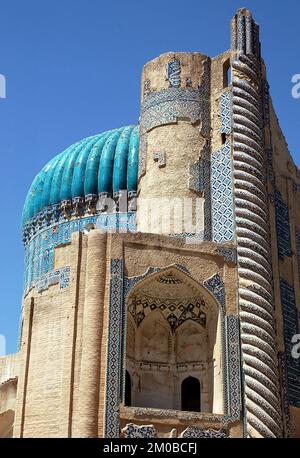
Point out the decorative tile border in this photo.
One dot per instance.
(216, 286)
(270, 172)
(229, 254)
(168, 105)
(290, 328)
(266, 101)
(191, 238)
(205, 155)
(284, 394)
(114, 348)
(223, 227)
(226, 110)
(282, 226)
(233, 365)
(39, 253)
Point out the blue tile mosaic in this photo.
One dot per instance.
(39, 253)
(222, 207)
(225, 108)
(114, 350)
(234, 401)
(173, 72)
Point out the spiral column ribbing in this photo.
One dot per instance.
(256, 303)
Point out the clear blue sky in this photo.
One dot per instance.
(73, 69)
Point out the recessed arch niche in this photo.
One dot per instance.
(173, 333)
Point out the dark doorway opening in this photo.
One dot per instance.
(190, 394)
(127, 389)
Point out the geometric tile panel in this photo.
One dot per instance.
(225, 107)
(229, 254)
(290, 328)
(282, 226)
(216, 286)
(222, 195)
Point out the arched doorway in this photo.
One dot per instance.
(173, 339)
(190, 395)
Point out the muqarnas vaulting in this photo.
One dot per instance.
(132, 329)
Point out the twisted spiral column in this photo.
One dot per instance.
(256, 303)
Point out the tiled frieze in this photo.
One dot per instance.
(167, 105)
(54, 277)
(39, 253)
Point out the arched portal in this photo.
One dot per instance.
(173, 335)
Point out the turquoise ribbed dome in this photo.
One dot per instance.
(103, 163)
